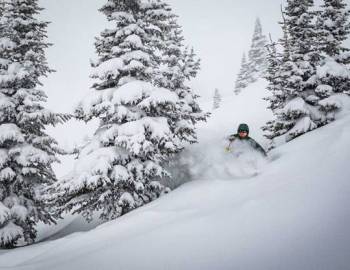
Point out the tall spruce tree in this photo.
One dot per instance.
(243, 77)
(257, 62)
(314, 69)
(144, 115)
(279, 70)
(255, 67)
(26, 151)
(2, 8)
(333, 74)
(334, 28)
(273, 75)
(298, 112)
(175, 66)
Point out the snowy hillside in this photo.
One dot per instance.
(293, 215)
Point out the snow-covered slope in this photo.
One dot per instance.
(293, 215)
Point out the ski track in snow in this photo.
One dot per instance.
(292, 215)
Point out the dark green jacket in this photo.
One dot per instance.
(251, 141)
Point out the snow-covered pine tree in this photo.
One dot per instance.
(2, 7)
(255, 67)
(278, 72)
(333, 74)
(243, 79)
(257, 54)
(26, 151)
(120, 168)
(176, 65)
(299, 112)
(334, 27)
(273, 75)
(190, 69)
(216, 99)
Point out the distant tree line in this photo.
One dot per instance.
(255, 66)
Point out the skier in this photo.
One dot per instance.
(243, 138)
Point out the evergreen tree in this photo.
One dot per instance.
(333, 74)
(279, 70)
(298, 111)
(243, 79)
(272, 75)
(334, 28)
(257, 54)
(2, 8)
(26, 151)
(314, 69)
(256, 66)
(216, 99)
(144, 108)
(176, 65)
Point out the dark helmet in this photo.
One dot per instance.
(242, 128)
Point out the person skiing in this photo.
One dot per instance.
(242, 136)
